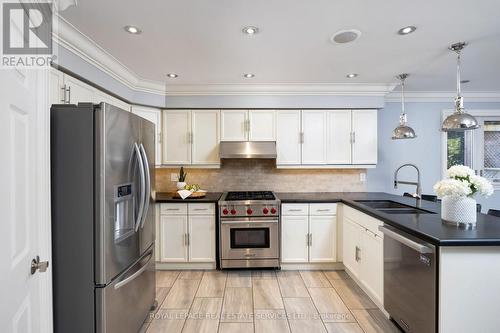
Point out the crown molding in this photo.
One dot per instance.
(443, 96)
(278, 89)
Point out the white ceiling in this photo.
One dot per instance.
(202, 41)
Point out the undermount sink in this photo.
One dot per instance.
(392, 207)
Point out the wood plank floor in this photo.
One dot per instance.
(261, 301)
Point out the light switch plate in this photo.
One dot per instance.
(174, 177)
(362, 177)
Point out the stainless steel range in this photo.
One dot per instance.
(249, 229)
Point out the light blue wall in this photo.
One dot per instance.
(424, 151)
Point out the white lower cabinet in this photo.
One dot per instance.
(308, 233)
(187, 234)
(363, 251)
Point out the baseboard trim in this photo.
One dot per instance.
(313, 266)
(184, 265)
(368, 292)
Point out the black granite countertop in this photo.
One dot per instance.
(169, 197)
(428, 227)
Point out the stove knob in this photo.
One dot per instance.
(233, 211)
(265, 210)
(225, 211)
(273, 210)
(249, 211)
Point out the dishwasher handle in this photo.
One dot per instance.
(421, 248)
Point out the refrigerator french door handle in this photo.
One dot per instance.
(136, 274)
(147, 192)
(142, 185)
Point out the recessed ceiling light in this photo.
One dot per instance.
(172, 75)
(407, 30)
(345, 36)
(351, 75)
(250, 30)
(248, 75)
(132, 29)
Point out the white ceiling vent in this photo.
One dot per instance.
(345, 36)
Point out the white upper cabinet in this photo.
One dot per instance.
(154, 116)
(205, 128)
(339, 137)
(234, 125)
(191, 137)
(314, 137)
(262, 125)
(103, 97)
(364, 131)
(78, 92)
(248, 125)
(288, 137)
(177, 137)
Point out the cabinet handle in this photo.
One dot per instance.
(185, 239)
(322, 210)
(63, 88)
(159, 137)
(295, 210)
(302, 137)
(356, 255)
(307, 239)
(353, 137)
(310, 239)
(192, 137)
(189, 239)
(172, 208)
(201, 209)
(249, 126)
(69, 95)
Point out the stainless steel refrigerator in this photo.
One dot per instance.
(102, 218)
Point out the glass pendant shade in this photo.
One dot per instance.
(459, 121)
(403, 131)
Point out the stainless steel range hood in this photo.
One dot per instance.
(248, 149)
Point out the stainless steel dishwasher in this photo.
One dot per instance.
(410, 277)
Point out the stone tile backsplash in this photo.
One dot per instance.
(248, 175)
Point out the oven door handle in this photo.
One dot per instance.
(421, 248)
(249, 221)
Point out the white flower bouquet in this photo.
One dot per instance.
(457, 193)
(462, 182)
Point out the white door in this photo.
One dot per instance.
(288, 137)
(154, 116)
(364, 128)
(77, 91)
(262, 125)
(177, 137)
(323, 245)
(350, 246)
(372, 263)
(294, 233)
(56, 83)
(234, 125)
(26, 304)
(205, 128)
(339, 137)
(314, 137)
(202, 238)
(174, 231)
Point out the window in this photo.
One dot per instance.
(478, 149)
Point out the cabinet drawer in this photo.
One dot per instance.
(323, 209)
(201, 209)
(295, 209)
(173, 209)
(364, 220)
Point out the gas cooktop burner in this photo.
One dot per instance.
(251, 195)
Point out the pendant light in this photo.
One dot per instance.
(459, 121)
(403, 131)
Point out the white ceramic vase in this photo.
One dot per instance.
(181, 185)
(460, 210)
